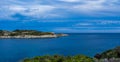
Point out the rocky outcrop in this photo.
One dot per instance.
(61, 35)
(112, 55)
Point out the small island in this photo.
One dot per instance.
(28, 34)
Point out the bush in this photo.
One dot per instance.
(58, 58)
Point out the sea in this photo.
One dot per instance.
(89, 44)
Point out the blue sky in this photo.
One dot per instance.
(74, 16)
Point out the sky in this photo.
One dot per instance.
(68, 16)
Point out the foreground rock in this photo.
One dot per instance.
(112, 55)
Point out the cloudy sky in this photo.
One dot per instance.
(61, 15)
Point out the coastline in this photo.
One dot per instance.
(30, 36)
(34, 36)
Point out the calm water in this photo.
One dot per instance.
(13, 50)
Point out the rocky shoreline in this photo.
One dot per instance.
(34, 36)
(30, 36)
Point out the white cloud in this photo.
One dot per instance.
(63, 29)
(38, 11)
(84, 24)
(97, 7)
(70, 0)
(89, 30)
(47, 9)
(109, 22)
(98, 23)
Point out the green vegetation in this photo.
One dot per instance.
(23, 32)
(106, 56)
(58, 58)
(1, 33)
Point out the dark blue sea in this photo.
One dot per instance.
(14, 50)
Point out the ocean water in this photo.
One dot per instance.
(14, 50)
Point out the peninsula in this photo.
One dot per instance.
(28, 34)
